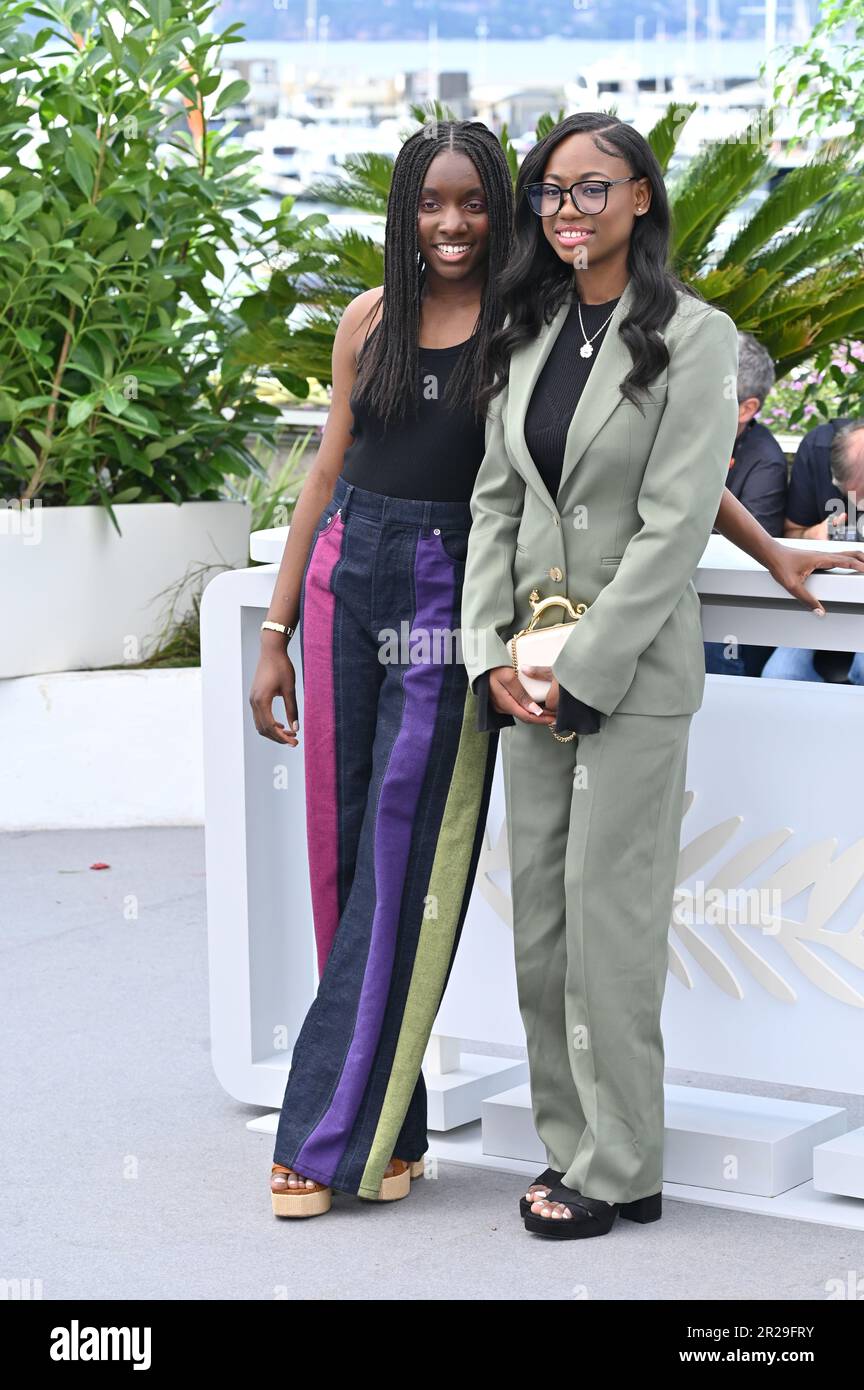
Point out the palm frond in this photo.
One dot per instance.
(806, 296)
(509, 153)
(842, 317)
(713, 182)
(716, 285)
(365, 185)
(425, 112)
(826, 234)
(308, 350)
(745, 295)
(663, 137)
(788, 200)
(358, 262)
(548, 122)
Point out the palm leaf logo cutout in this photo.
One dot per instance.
(831, 881)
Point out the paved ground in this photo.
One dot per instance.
(128, 1173)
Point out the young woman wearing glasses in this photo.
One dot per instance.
(613, 412)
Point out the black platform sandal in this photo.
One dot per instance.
(547, 1178)
(590, 1217)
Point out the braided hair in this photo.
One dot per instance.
(388, 366)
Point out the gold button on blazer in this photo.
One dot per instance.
(638, 497)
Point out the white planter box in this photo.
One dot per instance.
(102, 748)
(77, 596)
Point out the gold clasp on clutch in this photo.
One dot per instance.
(539, 606)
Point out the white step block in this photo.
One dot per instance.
(443, 1053)
(838, 1166)
(714, 1139)
(740, 1143)
(508, 1127)
(455, 1097)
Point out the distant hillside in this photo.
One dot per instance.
(504, 19)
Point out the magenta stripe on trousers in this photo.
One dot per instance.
(322, 822)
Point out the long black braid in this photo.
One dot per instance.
(388, 370)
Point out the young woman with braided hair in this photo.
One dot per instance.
(398, 773)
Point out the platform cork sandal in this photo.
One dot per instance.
(398, 1183)
(308, 1200)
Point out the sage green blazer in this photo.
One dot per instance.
(637, 501)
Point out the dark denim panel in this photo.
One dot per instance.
(373, 584)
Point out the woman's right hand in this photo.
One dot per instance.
(274, 675)
(508, 696)
(791, 567)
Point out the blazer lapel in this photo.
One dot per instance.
(599, 397)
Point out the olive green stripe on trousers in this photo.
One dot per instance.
(594, 830)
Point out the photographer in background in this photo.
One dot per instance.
(758, 470)
(827, 481)
(818, 485)
(758, 478)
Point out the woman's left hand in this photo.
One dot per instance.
(791, 567)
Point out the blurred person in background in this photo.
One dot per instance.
(758, 478)
(825, 502)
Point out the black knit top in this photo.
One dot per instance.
(547, 420)
(559, 387)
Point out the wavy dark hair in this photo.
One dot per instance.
(388, 370)
(536, 280)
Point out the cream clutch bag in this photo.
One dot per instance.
(539, 646)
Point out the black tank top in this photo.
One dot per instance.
(432, 456)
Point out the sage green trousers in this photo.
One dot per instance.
(594, 831)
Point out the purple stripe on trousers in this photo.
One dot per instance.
(434, 578)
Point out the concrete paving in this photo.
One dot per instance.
(129, 1173)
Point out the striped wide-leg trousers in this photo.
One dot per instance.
(397, 788)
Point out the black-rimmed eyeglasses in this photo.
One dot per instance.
(547, 199)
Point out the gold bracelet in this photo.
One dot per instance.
(278, 627)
